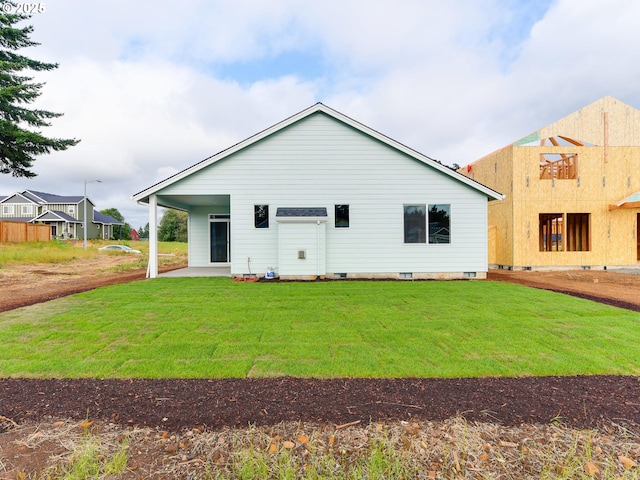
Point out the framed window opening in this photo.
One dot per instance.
(551, 228)
(577, 231)
(27, 210)
(558, 166)
(342, 216)
(7, 209)
(569, 232)
(261, 216)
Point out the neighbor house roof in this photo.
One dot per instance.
(143, 196)
(56, 216)
(42, 197)
(24, 195)
(105, 219)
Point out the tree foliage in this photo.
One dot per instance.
(120, 232)
(173, 226)
(20, 141)
(144, 231)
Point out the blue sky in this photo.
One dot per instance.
(152, 87)
(304, 64)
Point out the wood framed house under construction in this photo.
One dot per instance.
(572, 192)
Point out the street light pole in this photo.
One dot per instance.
(85, 209)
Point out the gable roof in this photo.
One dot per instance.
(39, 198)
(143, 196)
(26, 198)
(56, 216)
(589, 125)
(42, 197)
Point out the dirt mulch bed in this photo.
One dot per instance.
(175, 404)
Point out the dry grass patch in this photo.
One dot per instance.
(449, 449)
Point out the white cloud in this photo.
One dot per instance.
(149, 88)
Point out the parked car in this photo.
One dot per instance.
(121, 248)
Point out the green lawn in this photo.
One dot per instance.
(213, 328)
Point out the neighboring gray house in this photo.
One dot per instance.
(321, 195)
(65, 214)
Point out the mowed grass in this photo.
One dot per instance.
(215, 328)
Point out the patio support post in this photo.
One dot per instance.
(152, 269)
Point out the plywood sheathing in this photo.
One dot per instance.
(588, 124)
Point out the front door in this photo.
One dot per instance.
(219, 240)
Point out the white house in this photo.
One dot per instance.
(321, 195)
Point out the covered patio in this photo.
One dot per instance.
(200, 206)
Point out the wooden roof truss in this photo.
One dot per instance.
(561, 166)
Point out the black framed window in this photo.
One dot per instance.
(261, 216)
(342, 216)
(415, 224)
(440, 223)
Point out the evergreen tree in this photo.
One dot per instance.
(20, 141)
(144, 231)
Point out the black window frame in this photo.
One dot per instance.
(415, 223)
(342, 218)
(439, 221)
(261, 216)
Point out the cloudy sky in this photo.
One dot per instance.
(153, 86)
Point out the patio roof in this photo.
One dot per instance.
(632, 201)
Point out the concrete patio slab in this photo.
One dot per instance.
(197, 272)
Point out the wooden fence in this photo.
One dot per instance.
(17, 232)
